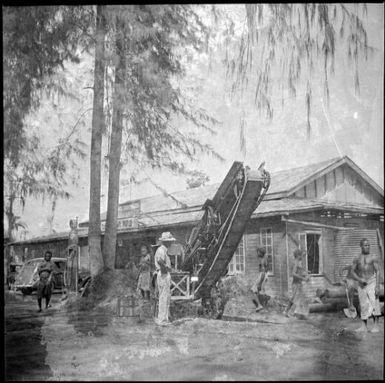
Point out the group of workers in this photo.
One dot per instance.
(46, 271)
(161, 276)
(363, 276)
(298, 303)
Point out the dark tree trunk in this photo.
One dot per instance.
(109, 246)
(94, 234)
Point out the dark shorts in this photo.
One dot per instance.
(44, 289)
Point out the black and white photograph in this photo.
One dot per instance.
(193, 192)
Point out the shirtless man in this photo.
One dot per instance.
(258, 287)
(46, 270)
(366, 272)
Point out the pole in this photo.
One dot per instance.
(77, 270)
(287, 259)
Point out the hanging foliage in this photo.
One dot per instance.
(288, 40)
(36, 42)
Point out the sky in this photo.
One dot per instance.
(351, 125)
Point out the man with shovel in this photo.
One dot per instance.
(351, 287)
(366, 272)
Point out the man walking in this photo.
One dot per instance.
(366, 272)
(45, 271)
(163, 280)
(258, 287)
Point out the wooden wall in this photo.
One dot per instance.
(347, 247)
(321, 281)
(277, 282)
(36, 250)
(342, 184)
(58, 248)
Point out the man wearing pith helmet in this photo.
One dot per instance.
(163, 280)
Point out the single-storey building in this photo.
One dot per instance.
(324, 208)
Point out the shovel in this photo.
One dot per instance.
(350, 312)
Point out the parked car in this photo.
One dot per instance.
(26, 281)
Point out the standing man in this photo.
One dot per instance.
(258, 286)
(366, 272)
(163, 280)
(45, 271)
(298, 304)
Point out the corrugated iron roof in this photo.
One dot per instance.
(267, 208)
(281, 182)
(82, 232)
(285, 180)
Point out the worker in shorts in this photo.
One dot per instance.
(259, 285)
(45, 271)
(366, 272)
(299, 304)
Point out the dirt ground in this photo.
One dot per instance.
(62, 345)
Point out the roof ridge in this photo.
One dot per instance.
(333, 159)
(330, 160)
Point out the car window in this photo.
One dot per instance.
(60, 265)
(33, 263)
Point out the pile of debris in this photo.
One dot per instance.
(104, 290)
(239, 297)
(185, 309)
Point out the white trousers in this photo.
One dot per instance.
(369, 303)
(164, 283)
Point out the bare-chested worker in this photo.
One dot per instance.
(258, 287)
(366, 272)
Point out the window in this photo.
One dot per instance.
(237, 263)
(310, 242)
(267, 244)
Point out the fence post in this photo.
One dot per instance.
(77, 270)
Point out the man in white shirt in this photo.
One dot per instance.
(163, 280)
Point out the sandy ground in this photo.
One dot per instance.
(60, 345)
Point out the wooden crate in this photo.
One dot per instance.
(181, 286)
(127, 306)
